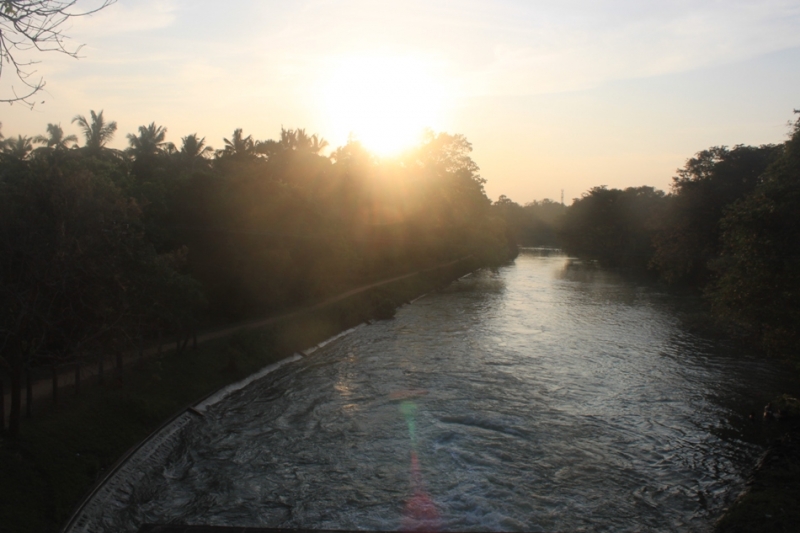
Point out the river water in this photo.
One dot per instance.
(548, 395)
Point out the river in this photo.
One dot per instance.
(547, 395)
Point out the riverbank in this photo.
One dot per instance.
(769, 503)
(66, 376)
(61, 453)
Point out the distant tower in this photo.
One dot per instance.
(562, 196)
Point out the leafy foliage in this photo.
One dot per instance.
(100, 248)
(702, 190)
(537, 223)
(758, 282)
(615, 226)
(96, 131)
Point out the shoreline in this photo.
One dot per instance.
(65, 454)
(769, 500)
(42, 388)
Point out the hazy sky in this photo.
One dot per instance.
(552, 94)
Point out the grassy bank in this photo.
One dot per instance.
(62, 452)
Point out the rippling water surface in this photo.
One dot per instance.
(545, 396)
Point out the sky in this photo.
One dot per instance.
(553, 95)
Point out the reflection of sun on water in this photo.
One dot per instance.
(385, 102)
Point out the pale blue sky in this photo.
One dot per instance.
(567, 94)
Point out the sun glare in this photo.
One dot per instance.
(385, 102)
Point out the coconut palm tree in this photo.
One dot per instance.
(238, 145)
(300, 141)
(194, 151)
(146, 148)
(19, 148)
(149, 143)
(56, 139)
(288, 139)
(317, 144)
(97, 133)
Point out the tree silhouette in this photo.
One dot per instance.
(149, 143)
(55, 140)
(34, 25)
(758, 268)
(238, 145)
(194, 152)
(97, 133)
(701, 192)
(146, 147)
(299, 140)
(19, 148)
(614, 226)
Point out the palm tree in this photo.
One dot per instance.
(300, 141)
(56, 139)
(146, 147)
(288, 139)
(96, 132)
(194, 151)
(18, 148)
(149, 143)
(317, 144)
(238, 145)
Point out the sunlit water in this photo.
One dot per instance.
(545, 396)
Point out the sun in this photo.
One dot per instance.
(384, 101)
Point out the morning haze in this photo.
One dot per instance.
(373, 266)
(552, 95)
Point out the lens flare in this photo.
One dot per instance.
(420, 510)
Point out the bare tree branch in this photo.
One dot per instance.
(34, 25)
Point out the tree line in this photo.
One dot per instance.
(730, 227)
(104, 249)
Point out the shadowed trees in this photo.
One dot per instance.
(615, 226)
(676, 236)
(77, 273)
(18, 148)
(537, 223)
(97, 249)
(284, 225)
(757, 280)
(146, 148)
(702, 190)
(730, 227)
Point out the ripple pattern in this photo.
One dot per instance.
(548, 395)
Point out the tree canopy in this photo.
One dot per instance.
(757, 280)
(103, 248)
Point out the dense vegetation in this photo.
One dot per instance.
(730, 227)
(102, 251)
(107, 249)
(62, 452)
